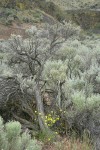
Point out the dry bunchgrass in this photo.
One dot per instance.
(69, 144)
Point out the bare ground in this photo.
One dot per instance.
(18, 29)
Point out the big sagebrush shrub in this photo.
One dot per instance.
(12, 138)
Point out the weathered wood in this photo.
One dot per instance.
(40, 108)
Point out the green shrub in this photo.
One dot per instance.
(8, 16)
(81, 102)
(12, 139)
(46, 136)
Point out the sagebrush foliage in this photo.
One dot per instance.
(72, 68)
(12, 138)
(61, 60)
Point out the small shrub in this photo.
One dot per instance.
(46, 136)
(12, 139)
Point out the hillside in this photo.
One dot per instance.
(77, 4)
(41, 11)
(14, 21)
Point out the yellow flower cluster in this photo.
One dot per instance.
(50, 120)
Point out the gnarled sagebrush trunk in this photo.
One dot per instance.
(40, 108)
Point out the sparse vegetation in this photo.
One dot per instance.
(8, 16)
(77, 4)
